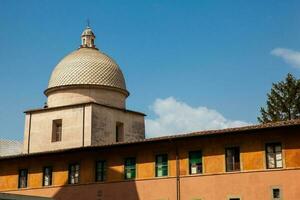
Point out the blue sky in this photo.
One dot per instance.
(195, 55)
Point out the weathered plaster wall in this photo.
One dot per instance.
(104, 122)
(76, 126)
(82, 125)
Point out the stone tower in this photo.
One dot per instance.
(86, 104)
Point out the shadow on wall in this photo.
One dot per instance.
(118, 188)
(21, 197)
(105, 191)
(89, 189)
(151, 189)
(113, 190)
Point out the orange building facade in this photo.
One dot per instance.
(256, 162)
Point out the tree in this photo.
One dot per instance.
(283, 101)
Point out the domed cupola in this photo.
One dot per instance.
(87, 75)
(88, 38)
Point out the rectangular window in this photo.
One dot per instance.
(274, 155)
(232, 159)
(130, 171)
(47, 176)
(119, 132)
(195, 162)
(161, 165)
(276, 194)
(234, 199)
(100, 170)
(56, 130)
(23, 176)
(74, 171)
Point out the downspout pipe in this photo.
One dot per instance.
(29, 133)
(83, 125)
(177, 170)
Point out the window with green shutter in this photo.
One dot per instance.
(195, 162)
(74, 173)
(161, 165)
(130, 171)
(100, 170)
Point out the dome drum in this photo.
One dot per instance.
(76, 94)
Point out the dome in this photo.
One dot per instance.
(87, 67)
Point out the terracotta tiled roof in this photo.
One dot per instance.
(237, 129)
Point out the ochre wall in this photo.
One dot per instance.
(247, 186)
(214, 177)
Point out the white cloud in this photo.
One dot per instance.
(289, 56)
(175, 117)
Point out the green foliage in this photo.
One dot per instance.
(283, 101)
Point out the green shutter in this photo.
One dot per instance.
(100, 170)
(161, 167)
(195, 157)
(130, 164)
(195, 162)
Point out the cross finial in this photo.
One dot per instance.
(88, 22)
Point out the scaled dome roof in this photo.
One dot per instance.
(87, 67)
